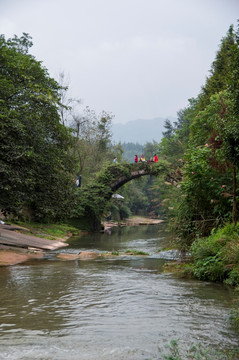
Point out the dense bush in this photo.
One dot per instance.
(216, 258)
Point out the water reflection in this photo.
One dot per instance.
(145, 238)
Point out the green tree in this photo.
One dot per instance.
(35, 165)
(217, 124)
(149, 149)
(93, 147)
(207, 131)
(217, 81)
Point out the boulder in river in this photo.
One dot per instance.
(83, 255)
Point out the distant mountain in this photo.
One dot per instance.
(139, 131)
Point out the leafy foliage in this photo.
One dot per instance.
(216, 257)
(35, 166)
(220, 69)
(93, 198)
(204, 144)
(92, 146)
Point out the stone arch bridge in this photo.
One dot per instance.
(94, 196)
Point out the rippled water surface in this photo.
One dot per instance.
(108, 308)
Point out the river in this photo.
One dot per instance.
(110, 308)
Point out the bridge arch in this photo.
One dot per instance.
(94, 196)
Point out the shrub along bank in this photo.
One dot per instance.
(216, 258)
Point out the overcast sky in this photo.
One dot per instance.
(133, 58)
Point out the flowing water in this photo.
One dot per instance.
(110, 308)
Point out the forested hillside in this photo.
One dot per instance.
(139, 131)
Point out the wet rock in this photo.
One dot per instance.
(83, 255)
(63, 256)
(17, 256)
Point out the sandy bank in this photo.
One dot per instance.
(132, 221)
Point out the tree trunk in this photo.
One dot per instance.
(234, 207)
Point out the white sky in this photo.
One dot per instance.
(134, 58)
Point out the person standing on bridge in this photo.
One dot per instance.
(142, 158)
(156, 158)
(136, 159)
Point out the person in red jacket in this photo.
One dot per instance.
(136, 159)
(156, 158)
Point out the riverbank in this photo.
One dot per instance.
(22, 242)
(57, 234)
(132, 221)
(214, 258)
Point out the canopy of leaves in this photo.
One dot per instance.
(35, 166)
